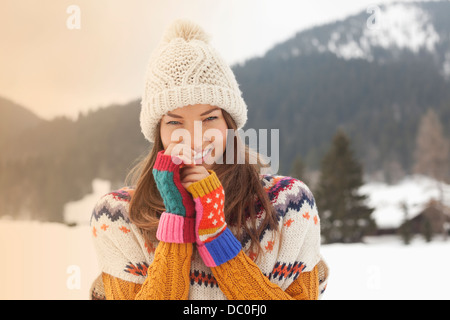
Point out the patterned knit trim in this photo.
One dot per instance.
(138, 269)
(114, 207)
(274, 185)
(122, 194)
(201, 278)
(282, 270)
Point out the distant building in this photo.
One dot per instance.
(434, 219)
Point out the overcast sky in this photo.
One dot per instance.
(54, 70)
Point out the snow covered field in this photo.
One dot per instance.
(54, 261)
(45, 261)
(386, 269)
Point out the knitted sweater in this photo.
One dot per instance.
(289, 267)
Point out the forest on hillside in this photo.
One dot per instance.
(378, 103)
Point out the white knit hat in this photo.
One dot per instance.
(185, 70)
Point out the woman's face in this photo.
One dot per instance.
(201, 126)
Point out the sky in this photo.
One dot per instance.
(54, 69)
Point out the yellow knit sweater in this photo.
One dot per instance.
(239, 279)
(290, 267)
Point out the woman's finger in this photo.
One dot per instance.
(192, 169)
(185, 161)
(180, 153)
(193, 177)
(186, 185)
(171, 145)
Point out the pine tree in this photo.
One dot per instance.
(427, 230)
(345, 217)
(405, 229)
(298, 170)
(432, 148)
(433, 159)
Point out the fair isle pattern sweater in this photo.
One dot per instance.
(123, 253)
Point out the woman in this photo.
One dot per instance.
(194, 226)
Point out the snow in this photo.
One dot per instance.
(399, 25)
(55, 261)
(45, 261)
(404, 26)
(349, 50)
(387, 269)
(316, 43)
(79, 212)
(415, 191)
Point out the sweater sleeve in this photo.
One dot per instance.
(167, 278)
(241, 279)
(296, 248)
(123, 254)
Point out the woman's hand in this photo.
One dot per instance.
(191, 174)
(215, 242)
(181, 154)
(177, 222)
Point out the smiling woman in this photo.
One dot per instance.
(184, 223)
(210, 135)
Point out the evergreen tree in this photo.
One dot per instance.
(345, 217)
(298, 170)
(433, 160)
(405, 229)
(432, 148)
(427, 230)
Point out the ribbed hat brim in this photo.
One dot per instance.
(156, 106)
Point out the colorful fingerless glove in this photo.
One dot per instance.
(215, 242)
(177, 223)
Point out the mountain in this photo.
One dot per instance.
(381, 34)
(54, 162)
(15, 119)
(373, 75)
(373, 80)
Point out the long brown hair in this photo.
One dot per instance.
(241, 182)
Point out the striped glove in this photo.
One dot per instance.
(215, 242)
(177, 223)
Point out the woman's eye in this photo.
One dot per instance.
(176, 122)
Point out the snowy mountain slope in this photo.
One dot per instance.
(401, 26)
(381, 33)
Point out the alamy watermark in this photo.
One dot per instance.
(73, 281)
(373, 21)
(373, 277)
(258, 141)
(74, 19)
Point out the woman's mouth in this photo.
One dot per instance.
(201, 156)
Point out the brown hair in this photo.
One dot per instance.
(241, 182)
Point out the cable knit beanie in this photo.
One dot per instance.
(186, 70)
